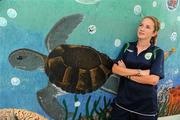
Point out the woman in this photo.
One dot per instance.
(141, 66)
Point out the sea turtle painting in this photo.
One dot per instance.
(70, 68)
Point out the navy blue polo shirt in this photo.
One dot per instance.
(133, 96)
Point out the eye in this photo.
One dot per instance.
(148, 27)
(19, 57)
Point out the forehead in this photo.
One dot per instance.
(147, 21)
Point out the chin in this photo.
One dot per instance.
(141, 37)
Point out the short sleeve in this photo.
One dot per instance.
(157, 67)
(121, 53)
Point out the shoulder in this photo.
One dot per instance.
(132, 43)
(127, 44)
(158, 52)
(158, 49)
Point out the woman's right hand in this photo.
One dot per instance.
(121, 64)
(115, 68)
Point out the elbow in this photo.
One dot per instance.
(155, 81)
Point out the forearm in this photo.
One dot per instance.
(145, 79)
(125, 71)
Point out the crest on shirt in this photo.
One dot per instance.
(148, 56)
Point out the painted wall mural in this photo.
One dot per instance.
(56, 55)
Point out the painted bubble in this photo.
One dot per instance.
(92, 29)
(137, 9)
(154, 4)
(173, 36)
(11, 13)
(87, 2)
(162, 25)
(172, 5)
(3, 22)
(77, 104)
(117, 42)
(178, 18)
(15, 81)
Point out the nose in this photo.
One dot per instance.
(141, 28)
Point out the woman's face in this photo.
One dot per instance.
(146, 29)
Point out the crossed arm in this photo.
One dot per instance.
(139, 76)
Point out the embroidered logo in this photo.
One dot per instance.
(148, 56)
(130, 50)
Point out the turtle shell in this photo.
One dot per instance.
(77, 69)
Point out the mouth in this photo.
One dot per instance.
(141, 33)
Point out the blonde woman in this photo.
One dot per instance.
(141, 66)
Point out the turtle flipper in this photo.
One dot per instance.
(111, 85)
(48, 101)
(61, 30)
(27, 59)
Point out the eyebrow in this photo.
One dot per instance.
(146, 24)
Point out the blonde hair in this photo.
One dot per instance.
(156, 27)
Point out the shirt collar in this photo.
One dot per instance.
(152, 45)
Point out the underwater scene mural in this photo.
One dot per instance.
(56, 56)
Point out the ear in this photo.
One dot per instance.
(154, 34)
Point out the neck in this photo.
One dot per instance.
(143, 43)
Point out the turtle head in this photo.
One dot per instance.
(26, 59)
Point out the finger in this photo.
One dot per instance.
(119, 62)
(114, 65)
(122, 61)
